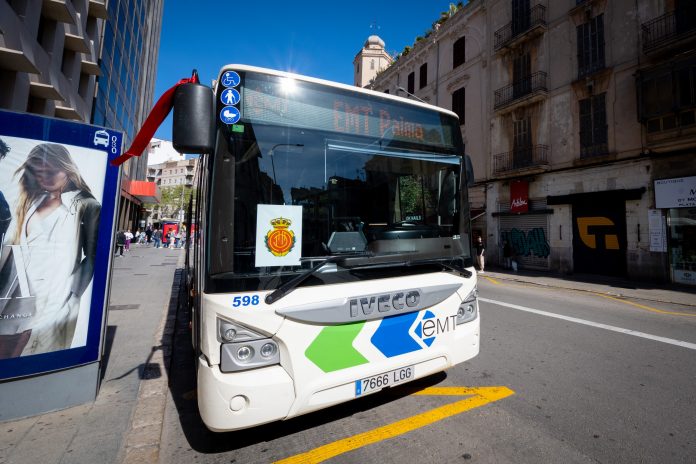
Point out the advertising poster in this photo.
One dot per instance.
(58, 193)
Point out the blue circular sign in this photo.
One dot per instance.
(230, 97)
(229, 115)
(230, 79)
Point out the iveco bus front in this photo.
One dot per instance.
(333, 258)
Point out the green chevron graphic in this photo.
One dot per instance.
(333, 350)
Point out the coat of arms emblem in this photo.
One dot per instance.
(280, 240)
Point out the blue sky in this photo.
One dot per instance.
(318, 39)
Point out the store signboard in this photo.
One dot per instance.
(675, 193)
(684, 277)
(519, 196)
(657, 231)
(57, 204)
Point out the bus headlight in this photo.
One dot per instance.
(245, 353)
(468, 310)
(229, 332)
(235, 357)
(243, 348)
(268, 350)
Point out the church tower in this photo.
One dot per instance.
(370, 60)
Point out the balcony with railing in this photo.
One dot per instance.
(588, 67)
(594, 143)
(520, 90)
(673, 28)
(520, 158)
(521, 27)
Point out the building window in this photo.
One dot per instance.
(522, 143)
(423, 78)
(458, 103)
(411, 87)
(591, 46)
(593, 126)
(521, 16)
(459, 52)
(372, 64)
(667, 96)
(521, 72)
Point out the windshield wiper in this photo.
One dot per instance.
(421, 262)
(292, 284)
(449, 266)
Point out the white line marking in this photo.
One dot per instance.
(671, 341)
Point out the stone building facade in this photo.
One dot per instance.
(580, 116)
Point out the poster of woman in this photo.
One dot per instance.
(49, 248)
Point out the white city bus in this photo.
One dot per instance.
(332, 256)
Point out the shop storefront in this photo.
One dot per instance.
(524, 225)
(599, 233)
(677, 198)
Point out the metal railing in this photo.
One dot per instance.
(519, 89)
(596, 149)
(668, 28)
(520, 158)
(585, 69)
(519, 26)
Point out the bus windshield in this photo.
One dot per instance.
(371, 175)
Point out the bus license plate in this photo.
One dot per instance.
(386, 379)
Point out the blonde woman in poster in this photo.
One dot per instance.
(57, 220)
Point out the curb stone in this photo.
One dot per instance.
(142, 443)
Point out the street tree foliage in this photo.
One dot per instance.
(414, 197)
(172, 200)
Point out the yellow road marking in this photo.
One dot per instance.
(480, 396)
(647, 308)
(620, 300)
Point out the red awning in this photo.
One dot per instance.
(147, 192)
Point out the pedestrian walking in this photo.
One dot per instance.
(129, 238)
(157, 237)
(507, 255)
(177, 239)
(148, 235)
(120, 242)
(480, 254)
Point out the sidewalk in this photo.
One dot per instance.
(612, 286)
(144, 282)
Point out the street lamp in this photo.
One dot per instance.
(270, 153)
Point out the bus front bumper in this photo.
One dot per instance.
(251, 400)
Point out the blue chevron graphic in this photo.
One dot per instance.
(392, 337)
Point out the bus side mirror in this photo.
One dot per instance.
(193, 129)
(469, 171)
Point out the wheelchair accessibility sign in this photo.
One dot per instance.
(230, 79)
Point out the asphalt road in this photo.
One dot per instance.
(585, 378)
